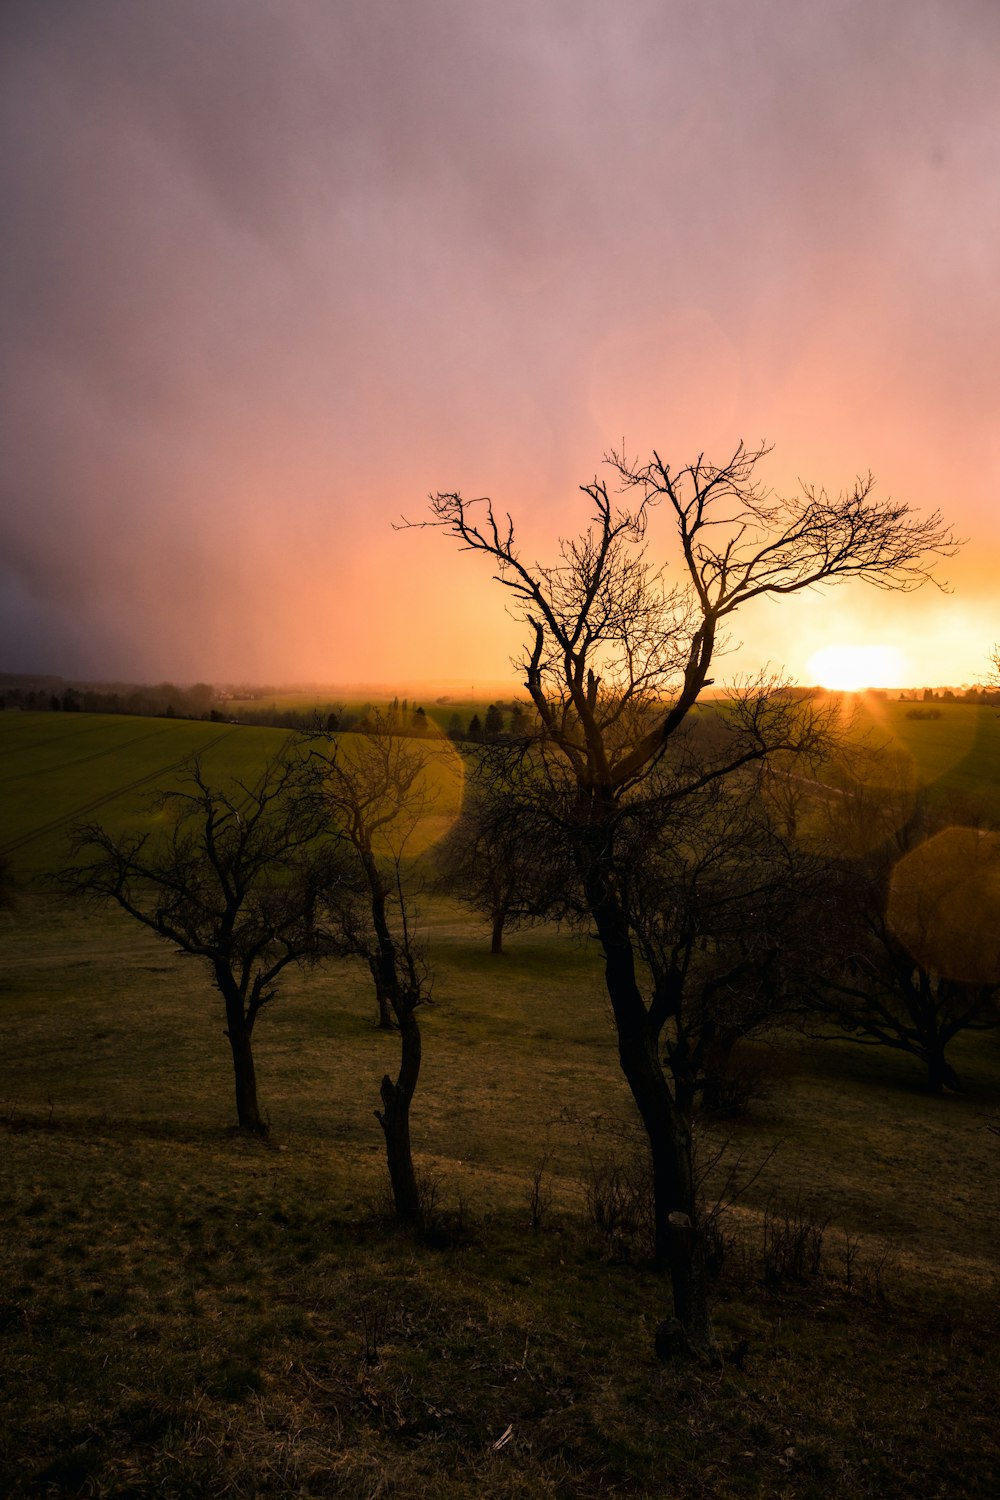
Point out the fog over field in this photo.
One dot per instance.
(274, 272)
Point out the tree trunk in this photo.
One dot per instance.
(940, 1074)
(718, 1062)
(247, 1109)
(678, 1239)
(385, 1021)
(394, 1118)
(496, 938)
(679, 1244)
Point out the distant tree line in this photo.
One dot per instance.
(973, 695)
(202, 701)
(56, 696)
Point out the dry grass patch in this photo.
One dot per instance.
(186, 1313)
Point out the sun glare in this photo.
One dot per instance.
(851, 669)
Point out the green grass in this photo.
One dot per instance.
(57, 770)
(957, 756)
(187, 1313)
(60, 770)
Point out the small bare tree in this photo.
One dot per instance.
(615, 663)
(376, 791)
(910, 923)
(487, 857)
(239, 879)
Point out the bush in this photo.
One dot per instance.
(743, 1076)
(619, 1201)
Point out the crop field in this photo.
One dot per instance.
(956, 755)
(61, 770)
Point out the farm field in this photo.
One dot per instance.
(59, 770)
(957, 755)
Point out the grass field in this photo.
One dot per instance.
(957, 755)
(60, 770)
(186, 1313)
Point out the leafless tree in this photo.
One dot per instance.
(238, 879)
(377, 794)
(487, 857)
(910, 953)
(716, 895)
(615, 662)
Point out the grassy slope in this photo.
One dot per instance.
(185, 1313)
(59, 770)
(957, 755)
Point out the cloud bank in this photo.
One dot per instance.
(274, 271)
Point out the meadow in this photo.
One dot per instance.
(61, 770)
(186, 1312)
(956, 755)
(57, 770)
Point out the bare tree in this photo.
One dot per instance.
(614, 664)
(488, 858)
(715, 895)
(910, 918)
(375, 789)
(238, 879)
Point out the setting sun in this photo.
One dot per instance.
(851, 669)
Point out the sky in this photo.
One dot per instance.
(275, 270)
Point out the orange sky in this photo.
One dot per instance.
(276, 272)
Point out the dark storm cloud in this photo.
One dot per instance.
(272, 270)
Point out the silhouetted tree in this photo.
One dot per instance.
(373, 788)
(520, 721)
(493, 722)
(614, 664)
(910, 952)
(239, 880)
(716, 893)
(490, 859)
